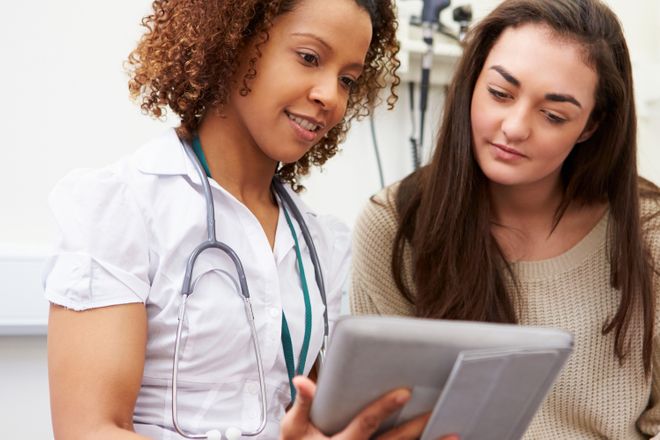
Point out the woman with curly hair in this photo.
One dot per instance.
(264, 89)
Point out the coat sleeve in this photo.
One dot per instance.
(102, 256)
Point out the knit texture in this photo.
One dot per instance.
(594, 397)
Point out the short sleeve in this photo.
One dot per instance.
(101, 257)
(372, 287)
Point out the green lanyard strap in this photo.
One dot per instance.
(287, 344)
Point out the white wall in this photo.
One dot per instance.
(24, 408)
(66, 105)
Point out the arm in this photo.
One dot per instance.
(95, 364)
(649, 421)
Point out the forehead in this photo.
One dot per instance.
(342, 23)
(535, 55)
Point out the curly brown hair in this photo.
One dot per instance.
(192, 47)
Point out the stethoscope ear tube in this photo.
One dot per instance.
(318, 275)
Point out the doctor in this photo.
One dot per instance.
(256, 84)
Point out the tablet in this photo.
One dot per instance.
(475, 378)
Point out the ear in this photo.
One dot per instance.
(590, 129)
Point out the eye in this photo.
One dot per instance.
(500, 96)
(309, 58)
(553, 118)
(348, 82)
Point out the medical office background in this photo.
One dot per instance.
(65, 105)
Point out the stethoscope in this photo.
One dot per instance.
(233, 433)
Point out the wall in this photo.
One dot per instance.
(66, 106)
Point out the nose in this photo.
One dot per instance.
(325, 92)
(516, 124)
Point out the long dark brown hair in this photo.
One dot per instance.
(444, 209)
(191, 48)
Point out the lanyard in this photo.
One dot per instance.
(287, 344)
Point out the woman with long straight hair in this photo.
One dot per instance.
(532, 211)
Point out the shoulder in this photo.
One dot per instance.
(375, 230)
(649, 206)
(91, 189)
(378, 219)
(650, 221)
(650, 224)
(373, 285)
(119, 196)
(124, 178)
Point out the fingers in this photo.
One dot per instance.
(296, 421)
(412, 429)
(370, 418)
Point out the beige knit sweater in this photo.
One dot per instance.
(594, 397)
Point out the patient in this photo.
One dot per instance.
(532, 212)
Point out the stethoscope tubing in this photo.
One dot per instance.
(318, 275)
(186, 291)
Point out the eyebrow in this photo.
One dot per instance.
(556, 97)
(313, 36)
(506, 75)
(322, 42)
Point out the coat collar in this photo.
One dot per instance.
(165, 156)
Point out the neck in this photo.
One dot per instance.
(238, 166)
(526, 207)
(525, 220)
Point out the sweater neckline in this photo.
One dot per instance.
(542, 269)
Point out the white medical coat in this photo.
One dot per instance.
(126, 233)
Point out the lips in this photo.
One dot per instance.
(309, 124)
(508, 150)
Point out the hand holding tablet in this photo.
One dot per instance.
(479, 380)
(297, 425)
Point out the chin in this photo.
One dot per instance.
(291, 156)
(502, 177)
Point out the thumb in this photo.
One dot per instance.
(305, 390)
(296, 424)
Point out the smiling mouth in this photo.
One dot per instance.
(304, 123)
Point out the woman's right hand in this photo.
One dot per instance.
(297, 426)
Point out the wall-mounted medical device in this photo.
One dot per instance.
(448, 25)
(429, 51)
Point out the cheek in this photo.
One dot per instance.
(554, 160)
(478, 126)
(339, 113)
(482, 117)
(555, 144)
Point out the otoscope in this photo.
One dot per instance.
(430, 16)
(430, 21)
